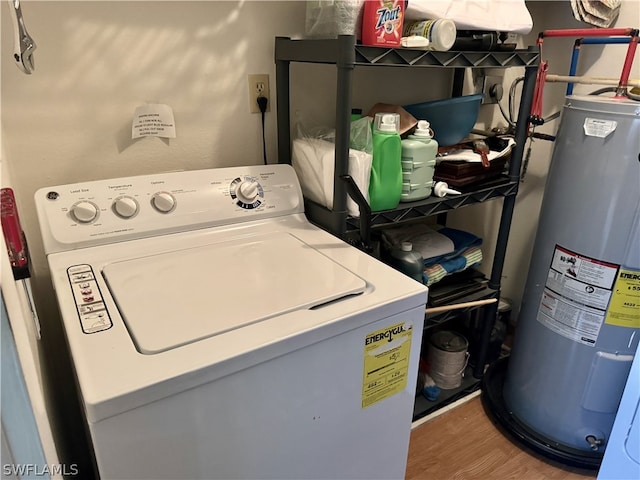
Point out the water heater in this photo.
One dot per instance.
(579, 323)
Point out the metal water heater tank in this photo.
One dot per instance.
(579, 322)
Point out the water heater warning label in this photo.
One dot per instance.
(594, 127)
(386, 362)
(576, 296)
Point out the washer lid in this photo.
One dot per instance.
(179, 297)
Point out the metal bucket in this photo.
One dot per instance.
(447, 357)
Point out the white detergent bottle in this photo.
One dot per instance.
(440, 32)
(418, 163)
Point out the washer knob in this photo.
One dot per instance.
(163, 202)
(84, 212)
(247, 191)
(125, 207)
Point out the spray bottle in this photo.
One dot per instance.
(385, 186)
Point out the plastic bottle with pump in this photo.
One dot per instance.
(407, 260)
(385, 185)
(418, 163)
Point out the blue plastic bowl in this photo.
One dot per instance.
(451, 119)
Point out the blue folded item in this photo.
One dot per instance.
(436, 272)
(461, 241)
(444, 250)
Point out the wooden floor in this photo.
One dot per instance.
(463, 443)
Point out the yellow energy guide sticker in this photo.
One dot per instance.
(624, 307)
(386, 362)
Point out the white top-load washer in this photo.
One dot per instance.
(216, 333)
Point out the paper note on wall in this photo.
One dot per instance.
(153, 120)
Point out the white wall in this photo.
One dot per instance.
(70, 121)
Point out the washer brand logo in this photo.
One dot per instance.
(388, 334)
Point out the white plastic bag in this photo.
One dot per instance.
(313, 159)
(330, 18)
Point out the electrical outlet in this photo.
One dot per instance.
(491, 88)
(258, 87)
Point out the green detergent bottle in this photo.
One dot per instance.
(385, 185)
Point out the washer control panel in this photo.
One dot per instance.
(107, 211)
